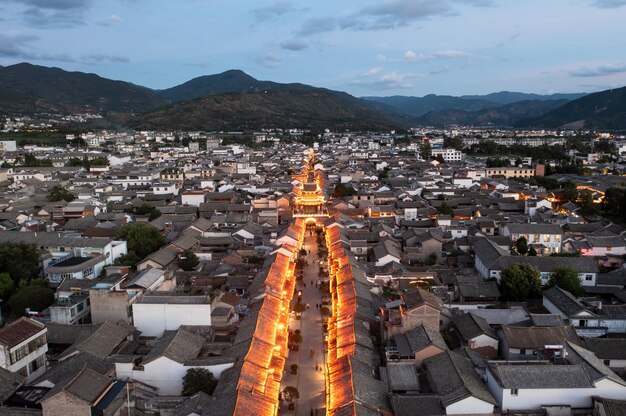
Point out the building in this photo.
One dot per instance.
(510, 172)
(574, 383)
(23, 348)
(546, 238)
(157, 312)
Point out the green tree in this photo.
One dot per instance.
(129, 259)
(20, 261)
(532, 252)
(425, 150)
(520, 282)
(152, 212)
(59, 193)
(342, 189)
(142, 239)
(188, 261)
(567, 279)
(522, 245)
(7, 286)
(445, 209)
(198, 379)
(36, 298)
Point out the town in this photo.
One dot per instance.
(458, 271)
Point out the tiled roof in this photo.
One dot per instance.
(19, 331)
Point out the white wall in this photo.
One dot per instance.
(535, 398)
(470, 406)
(154, 318)
(165, 374)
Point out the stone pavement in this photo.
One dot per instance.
(310, 380)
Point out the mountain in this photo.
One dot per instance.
(232, 81)
(508, 97)
(505, 115)
(419, 106)
(301, 107)
(28, 89)
(600, 110)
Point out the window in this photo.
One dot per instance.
(588, 277)
(514, 392)
(546, 238)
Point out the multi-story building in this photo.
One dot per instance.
(23, 348)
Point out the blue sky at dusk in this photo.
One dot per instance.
(387, 47)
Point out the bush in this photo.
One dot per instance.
(198, 379)
(36, 298)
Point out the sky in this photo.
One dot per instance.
(363, 47)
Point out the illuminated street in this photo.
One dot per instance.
(310, 380)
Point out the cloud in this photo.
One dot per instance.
(268, 60)
(273, 10)
(53, 19)
(54, 13)
(599, 70)
(99, 58)
(15, 46)
(110, 20)
(609, 4)
(57, 4)
(317, 25)
(18, 47)
(410, 56)
(373, 71)
(389, 81)
(294, 45)
(442, 70)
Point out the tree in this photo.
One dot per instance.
(520, 282)
(425, 150)
(188, 261)
(129, 259)
(291, 393)
(445, 209)
(20, 261)
(152, 212)
(567, 279)
(7, 286)
(36, 298)
(198, 379)
(522, 245)
(142, 239)
(59, 193)
(342, 190)
(532, 252)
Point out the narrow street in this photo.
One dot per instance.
(309, 379)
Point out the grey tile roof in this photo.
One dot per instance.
(612, 407)
(422, 336)
(564, 300)
(534, 228)
(402, 376)
(593, 366)
(106, 339)
(413, 405)
(535, 337)
(540, 376)
(471, 326)
(607, 348)
(88, 385)
(453, 377)
(548, 264)
(9, 382)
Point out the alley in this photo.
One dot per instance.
(309, 379)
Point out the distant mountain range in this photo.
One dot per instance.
(235, 100)
(27, 89)
(419, 106)
(600, 110)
